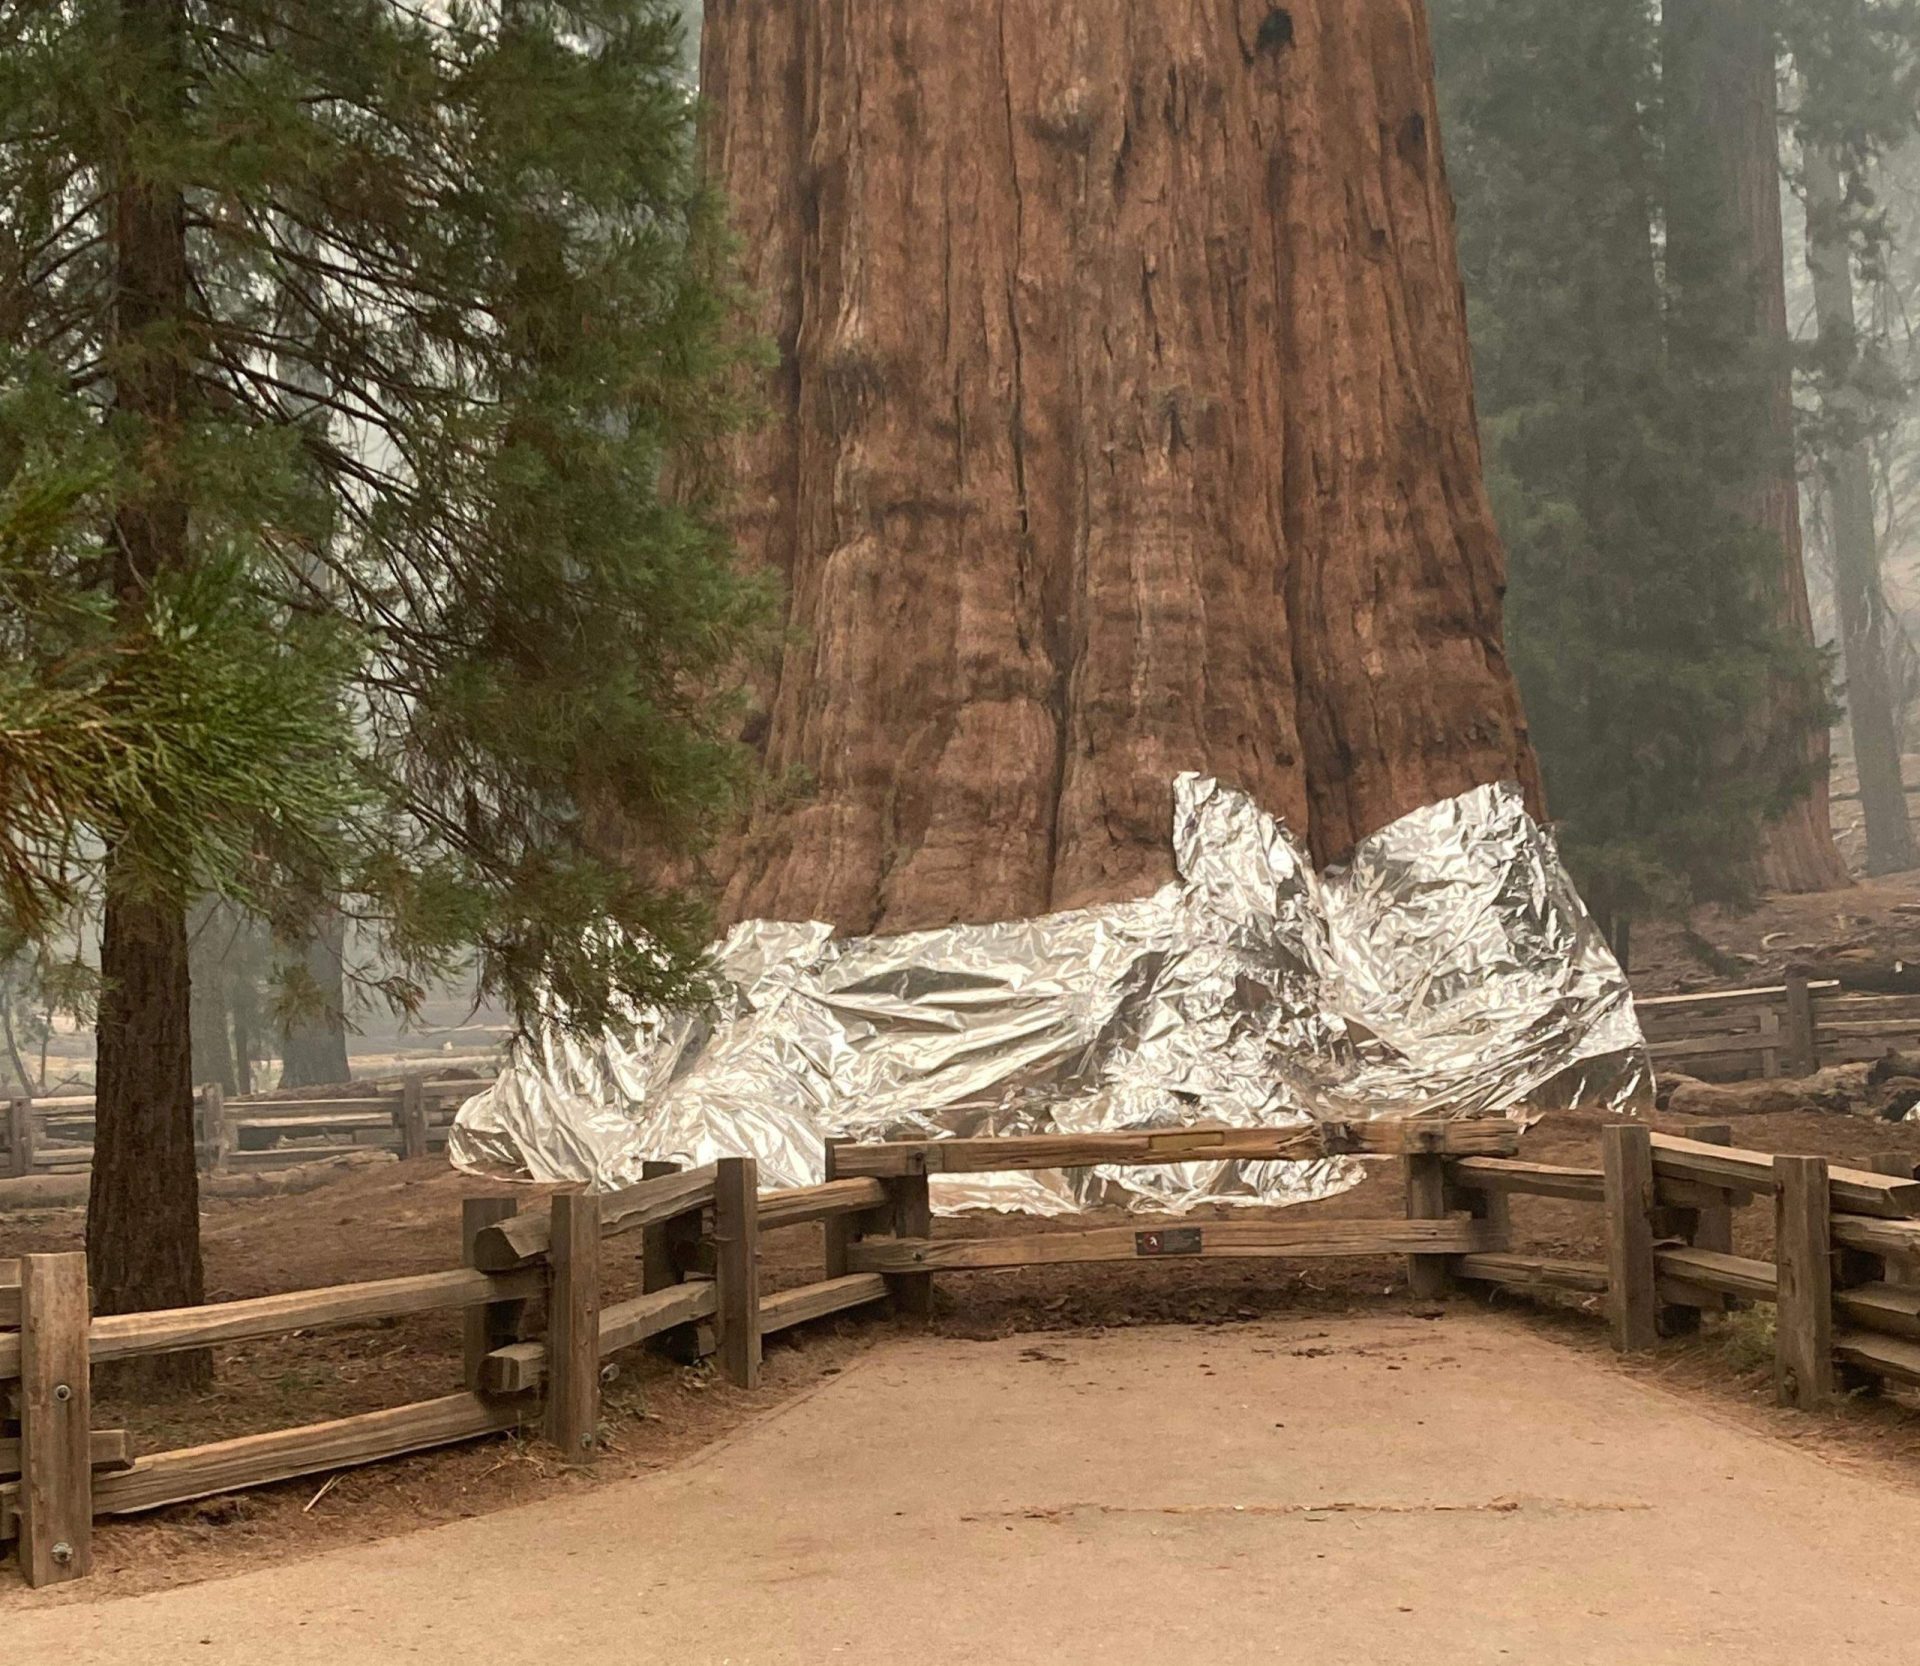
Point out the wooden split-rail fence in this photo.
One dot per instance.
(1781, 1030)
(410, 1116)
(1844, 1278)
(538, 1332)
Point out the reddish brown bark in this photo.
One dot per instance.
(1123, 425)
(1723, 146)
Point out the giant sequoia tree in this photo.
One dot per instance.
(1122, 424)
(1726, 278)
(1855, 108)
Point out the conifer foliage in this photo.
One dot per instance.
(1622, 424)
(357, 364)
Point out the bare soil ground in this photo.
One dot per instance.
(1718, 948)
(1378, 1490)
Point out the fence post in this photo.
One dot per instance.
(56, 1457)
(1495, 1208)
(1426, 1201)
(20, 1136)
(493, 1324)
(838, 1229)
(736, 1242)
(1802, 1045)
(1803, 1253)
(1902, 1164)
(219, 1123)
(1713, 1225)
(666, 1252)
(1707, 1226)
(413, 1118)
(1633, 1304)
(573, 1325)
(910, 1215)
(1769, 1042)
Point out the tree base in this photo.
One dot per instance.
(156, 1377)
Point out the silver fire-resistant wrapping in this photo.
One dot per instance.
(1449, 969)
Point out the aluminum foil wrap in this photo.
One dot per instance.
(1449, 969)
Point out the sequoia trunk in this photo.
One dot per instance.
(1858, 599)
(1723, 154)
(1122, 425)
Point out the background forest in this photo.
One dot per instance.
(1675, 377)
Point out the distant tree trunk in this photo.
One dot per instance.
(1858, 598)
(143, 1211)
(1123, 425)
(209, 939)
(313, 1044)
(1723, 156)
(244, 1009)
(313, 1047)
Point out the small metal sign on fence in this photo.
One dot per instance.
(1168, 1240)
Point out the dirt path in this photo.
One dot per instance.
(1371, 1490)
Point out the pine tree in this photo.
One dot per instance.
(374, 333)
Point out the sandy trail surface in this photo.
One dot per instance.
(1375, 1489)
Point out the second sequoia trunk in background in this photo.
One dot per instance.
(1726, 266)
(1122, 425)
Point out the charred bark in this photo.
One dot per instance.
(1723, 157)
(143, 1209)
(1859, 601)
(1123, 425)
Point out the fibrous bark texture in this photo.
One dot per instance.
(1122, 425)
(1724, 145)
(1858, 597)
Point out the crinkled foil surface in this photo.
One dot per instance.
(1449, 969)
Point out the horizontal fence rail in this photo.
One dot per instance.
(1778, 1030)
(1844, 1281)
(1002, 1154)
(57, 1475)
(411, 1117)
(698, 1232)
(1311, 1239)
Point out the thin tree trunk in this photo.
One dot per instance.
(245, 1008)
(1723, 156)
(28, 1085)
(143, 1213)
(1123, 425)
(1858, 598)
(210, 936)
(313, 1048)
